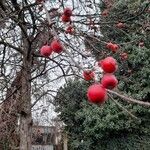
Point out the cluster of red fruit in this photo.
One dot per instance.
(55, 46)
(114, 48)
(97, 92)
(66, 16)
(119, 25)
(69, 30)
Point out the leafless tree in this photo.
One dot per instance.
(25, 26)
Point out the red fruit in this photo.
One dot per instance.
(114, 48)
(120, 25)
(66, 18)
(56, 46)
(141, 44)
(109, 45)
(109, 81)
(88, 75)
(69, 30)
(40, 1)
(124, 56)
(105, 13)
(97, 94)
(46, 51)
(67, 12)
(109, 65)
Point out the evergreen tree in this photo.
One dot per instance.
(108, 126)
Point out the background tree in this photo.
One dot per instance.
(100, 127)
(110, 127)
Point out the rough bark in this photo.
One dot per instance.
(25, 113)
(9, 115)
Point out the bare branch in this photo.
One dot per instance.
(123, 108)
(12, 46)
(128, 99)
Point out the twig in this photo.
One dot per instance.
(128, 99)
(11, 94)
(124, 109)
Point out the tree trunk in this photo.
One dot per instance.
(25, 107)
(25, 132)
(25, 112)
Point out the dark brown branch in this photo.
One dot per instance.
(2, 5)
(11, 46)
(15, 5)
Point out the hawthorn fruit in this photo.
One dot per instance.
(46, 51)
(56, 46)
(97, 94)
(109, 81)
(109, 65)
(88, 75)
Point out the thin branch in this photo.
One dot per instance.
(11, 46)
(130, 100)
(45, 93)
(123, 108)
(11, 94)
